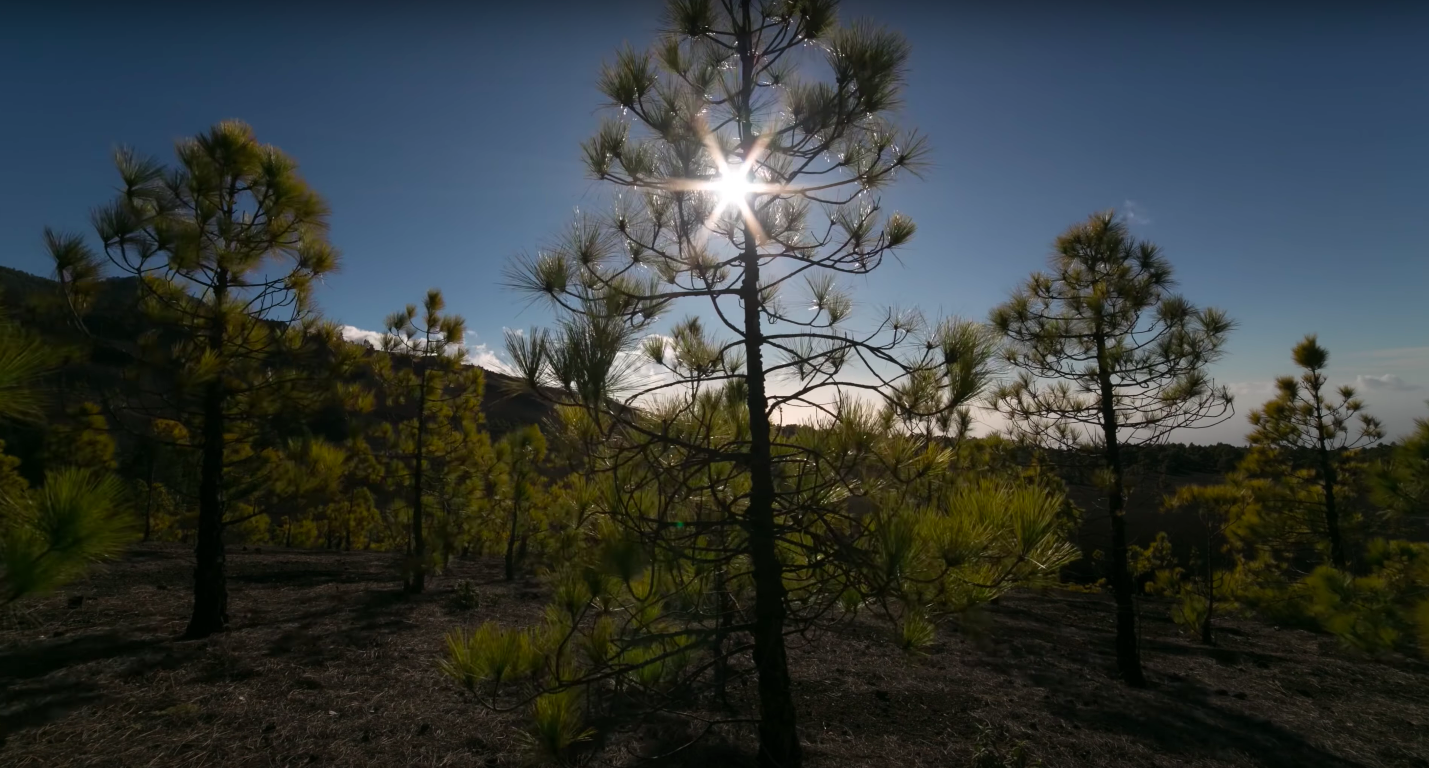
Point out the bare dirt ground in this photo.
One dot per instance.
(328, 664)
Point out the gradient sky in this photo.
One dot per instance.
(1280, 158)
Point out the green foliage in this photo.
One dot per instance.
(1104, 328)
(255, 530)
(558, 725)
(916, 633)
(81, 439)
(1400, 486)
(492, 653)
(519, 456)
(53, 532)
(24, 360)
(1382, 610)
(465, 597)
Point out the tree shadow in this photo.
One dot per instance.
(29, 706)
(293, 577)
(40, 660)
(1191, 725)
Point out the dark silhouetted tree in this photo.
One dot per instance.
(747, 189)
(227, 246)
(1109, 357)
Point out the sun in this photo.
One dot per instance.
(732, 185)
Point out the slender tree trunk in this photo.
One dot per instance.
(149, 499)
(210, 610)
(1128, 654)
(778, 726)
(1332, 514)
(418, 579)
(511, 542)
(1206, 636)
(724, 617)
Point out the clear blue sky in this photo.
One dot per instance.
(1281, 158)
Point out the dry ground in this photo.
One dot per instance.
(327, 664)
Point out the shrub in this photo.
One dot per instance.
(558, 725)
(465, 597)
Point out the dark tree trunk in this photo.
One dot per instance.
(1206, 636)
(417, 580)
(778, 725)
(1332, 514)
(1128, 654)
(210, 610)
(511, 543)
(149, 499)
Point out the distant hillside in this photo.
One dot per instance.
(37, 303)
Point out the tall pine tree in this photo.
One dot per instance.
(1109, 358)
(227, 246)
(745, 155)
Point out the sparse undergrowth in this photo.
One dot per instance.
(328, 664)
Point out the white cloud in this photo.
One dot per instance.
(479, 355)
(370, 338)
(1388, 382)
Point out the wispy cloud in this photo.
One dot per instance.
(1135, 213)
(1388, 382)
(1251, 391)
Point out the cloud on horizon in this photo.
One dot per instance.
(1388, 382)
(479, 355)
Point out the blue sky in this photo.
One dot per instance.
(1280, 159)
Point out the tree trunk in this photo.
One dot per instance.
(417, 581)
(511, 543)
(778, 726)
(1206, 636)
(149, 500)
(1332, 514)
(210, 610)
(1128, 654)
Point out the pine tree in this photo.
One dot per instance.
(1109, 358)
(434, 402)
(227, 245)
(520, 454)
(1303, 418)
(724, 156)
